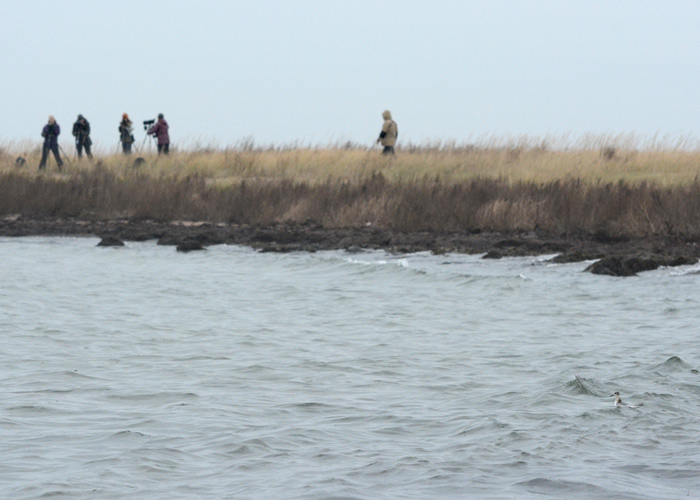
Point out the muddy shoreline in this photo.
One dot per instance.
(616, 257)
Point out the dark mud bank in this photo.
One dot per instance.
(613, 257)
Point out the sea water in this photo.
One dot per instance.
(141, 372)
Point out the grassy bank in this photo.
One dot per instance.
(606, 192)
(674, 161)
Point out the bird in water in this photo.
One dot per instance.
(619, 402)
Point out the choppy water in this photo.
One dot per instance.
(139, 372)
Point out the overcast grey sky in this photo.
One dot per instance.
(322, 71)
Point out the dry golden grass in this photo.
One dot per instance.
(607, 191)
(514, 162)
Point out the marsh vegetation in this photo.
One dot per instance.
(601, 189)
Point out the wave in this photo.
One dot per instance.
(397, 262)
(202, 358)
(686, 270)
(157, 397)
(395, 265)
(30, 409)
(74, 374)
(544, 486)
(672, 364)
(481, 428)
(581, 386)
(127, 434)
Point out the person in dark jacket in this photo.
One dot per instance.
(81, 131)
(50, 134)
(126, 134)
(160, 130)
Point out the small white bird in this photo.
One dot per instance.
(619, 402)
(618, 399)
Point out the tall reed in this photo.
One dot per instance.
(381, 197)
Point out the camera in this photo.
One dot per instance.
(148, 123)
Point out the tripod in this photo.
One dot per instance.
(143, 143)
(64, 154)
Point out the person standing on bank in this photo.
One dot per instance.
(50, 134)
(389, 133)
(81, 131)
(126, 134)
(160, 130)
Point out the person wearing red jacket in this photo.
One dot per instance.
(160, 130)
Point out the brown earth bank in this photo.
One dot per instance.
(613, 256)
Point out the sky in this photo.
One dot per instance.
(319, 72)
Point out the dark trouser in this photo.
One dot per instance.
(79, 146)
(163, 148)
(45, 155)
(126, 148)
(388, 150)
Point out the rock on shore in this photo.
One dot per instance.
(624, 257)
(630, 265)
(110, 241)
(189, 245)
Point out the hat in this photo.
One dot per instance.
(125, 116)
(160, 115)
